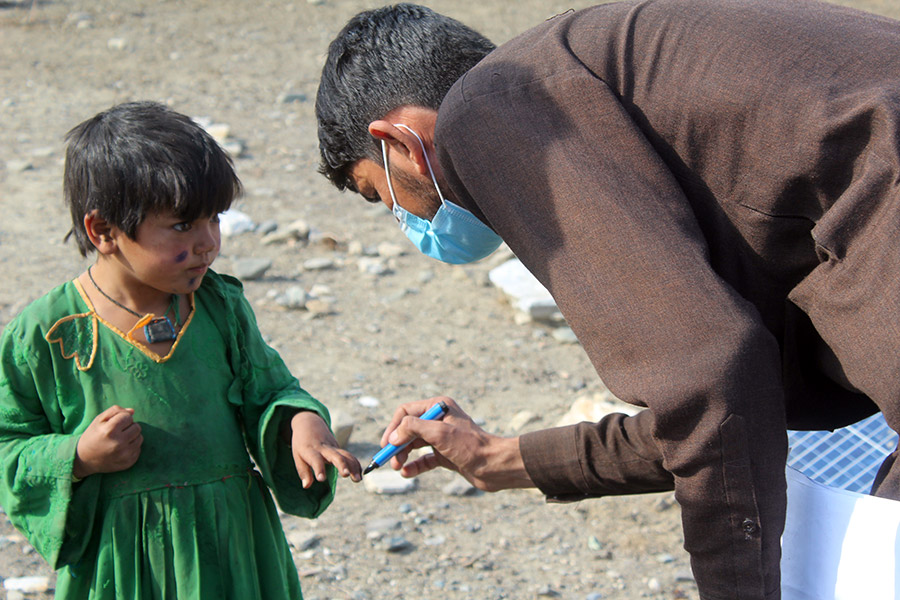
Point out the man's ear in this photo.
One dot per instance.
(402, 142)
(101, 233)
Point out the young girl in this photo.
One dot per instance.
(129, 396)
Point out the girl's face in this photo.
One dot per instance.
(169, 254)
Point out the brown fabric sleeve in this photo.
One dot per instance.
(614, 456)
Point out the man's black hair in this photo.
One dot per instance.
(384, 58)
(142, 158)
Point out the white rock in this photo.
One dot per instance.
(593, 408)
(27, 584)
(116, 43)
(390, 250)
(387, 481)
(218, 131)
(342, 426)
(318, 264)
(303, 540)
(233, 222)
(525, 292)
(521, 419)
(369, 401)
(373, 266)
(294, 298)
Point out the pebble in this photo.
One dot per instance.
(460, 486)
(521, 419)
(594, 596)
(319, 307)
(565, 335)
(390, 250)
(398, 544)
(373, 266)
(298, 231)
(369, 401)
(303, 540)
(342, 425)
(318, 264)
(293, 298)
(292, 97)
(116, 43)
(377, 528)
(249, 269)
(234, 222)
(386, 481)
(18, 166)
(28, 585)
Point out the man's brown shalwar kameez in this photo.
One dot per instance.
(709, 189)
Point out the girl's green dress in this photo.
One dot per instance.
(192, 518)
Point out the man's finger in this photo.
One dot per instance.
(413, 409)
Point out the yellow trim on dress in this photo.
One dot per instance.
(128, 337)
(75, 353)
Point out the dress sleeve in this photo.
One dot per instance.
(561, 171)
(269, 394)
(37, 492)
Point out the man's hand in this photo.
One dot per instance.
(313, 447)
(112, 442)
(487, 461)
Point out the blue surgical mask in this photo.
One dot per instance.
(453, 235)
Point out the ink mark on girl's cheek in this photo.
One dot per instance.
(181, 257)
(191, 282)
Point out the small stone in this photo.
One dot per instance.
(298, 231)
(369, 401)
(460, 486)
(594, 596)
(386, 481)
(292, 97)
(398, 544)
(319, 307)
(665, 558)
(28, 585)
(249, 269)
(373, 266)
(320, 290)
(435, 540)
(522, 419)
(303, 540)
(266, 227)
(318, 264)
(293, 298)
(218, 131)
(654, 584)
(18, 166)
(390, 250)
(547, 592)
(565, 335)
(342, 426)
(116, 43)
(426, 276)
(683, 576)
(234, 222)
(376, 528)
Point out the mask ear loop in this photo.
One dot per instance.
(427, 162)
(387, 174)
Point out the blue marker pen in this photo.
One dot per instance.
(385, 454)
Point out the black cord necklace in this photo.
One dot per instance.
(159, 329)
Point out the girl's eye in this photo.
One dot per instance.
(372, 199)
(182, 226)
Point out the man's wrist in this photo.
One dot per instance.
(507, 468)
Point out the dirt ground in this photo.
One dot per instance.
(419, 330)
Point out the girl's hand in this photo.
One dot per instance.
(112, 442)
(313, 447)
